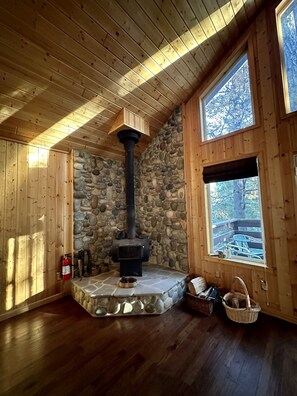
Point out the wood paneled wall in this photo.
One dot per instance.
(35, 223)
(273, 139)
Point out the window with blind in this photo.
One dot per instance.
(235, 221)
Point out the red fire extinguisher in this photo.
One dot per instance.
(66, 268)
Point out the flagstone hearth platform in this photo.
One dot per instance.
(156, 291)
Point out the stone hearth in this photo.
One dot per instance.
(155, 292)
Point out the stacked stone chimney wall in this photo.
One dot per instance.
(100, 208)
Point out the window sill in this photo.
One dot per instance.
(234, 260)
(253, 127)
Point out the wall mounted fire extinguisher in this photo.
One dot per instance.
(66, 268)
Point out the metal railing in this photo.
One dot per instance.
(223, 232)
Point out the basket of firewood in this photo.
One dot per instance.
(240, 307)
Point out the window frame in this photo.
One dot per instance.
(246, 48)
(285, 107)
(209, 228)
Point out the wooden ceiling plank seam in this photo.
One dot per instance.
(218, 21)
(146, 41)
(101, 134)
(229, 18)
(10, 101)
(57, 91)
(32, 136)
(121, 17)
(62, 126)
(58, 137)
(67, 146)
(137, 102)
(206, 24)
(80, 111)
(160, 79)
(171, 42)
(249, 6)
(33, 131)
(76, 14)
(82, 37)
(62, 120)
(119, 152)
(106, 74)
(83, 112)
(94, 151)
(11, 89)
(43, 120)
(41, 107)
(88, 142)
(240, 14)
(194, 26)
(98, 129)
(67, 71)
(117, 34)
(180, 28)
(91, 83)
(116, 149)
(259, 3)
(5, 131)
(70, 110)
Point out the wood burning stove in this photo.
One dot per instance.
(129, 249)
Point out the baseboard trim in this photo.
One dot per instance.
(280, 315)
(31, 306)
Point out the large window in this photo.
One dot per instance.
(287, 24)
(228, 106)
(235, 221)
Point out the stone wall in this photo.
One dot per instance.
(99, 200)
(99, 205)
(160, 203)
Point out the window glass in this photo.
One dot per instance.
(228, 106)
(235, 219)
(288, 22)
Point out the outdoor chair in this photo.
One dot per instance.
(242, 246)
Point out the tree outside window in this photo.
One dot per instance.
(288, 34)
(235, 210)
(228, 106)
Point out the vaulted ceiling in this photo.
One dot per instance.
(68, 67)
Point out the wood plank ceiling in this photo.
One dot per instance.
(68, 67)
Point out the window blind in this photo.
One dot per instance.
(239, 169)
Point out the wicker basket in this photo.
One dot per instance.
(249, 314)
(199, 304)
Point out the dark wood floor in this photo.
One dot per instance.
(59, 349)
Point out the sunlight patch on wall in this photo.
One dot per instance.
(25, 275)
(10, 274)
(37, 157)
(22, 269)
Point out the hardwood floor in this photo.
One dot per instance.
(59, 349)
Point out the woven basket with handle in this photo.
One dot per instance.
(249, 314)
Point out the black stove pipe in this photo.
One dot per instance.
(129, 138)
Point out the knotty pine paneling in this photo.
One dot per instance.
(69, 67)
(35, 223)
(273, 140)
